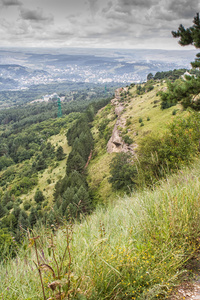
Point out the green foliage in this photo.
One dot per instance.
(171, 75)
(138, 247)
(8, 246)
(140, 90)
(59, 153)
(190, 36)
(127, 139)
(5, 162)
(33, 216)
(149, 76)
(38, 197)
(174, 112)
(184, 91)
(22, 186)
(75, 162)
(159, 155)
(72, 196)
(26, 204)
(123, 172)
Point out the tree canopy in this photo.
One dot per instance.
(190, 36)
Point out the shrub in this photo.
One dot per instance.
(27, 205)
(128, 140)
(174, 112)
(123, 172)
(39, 197)
(159, 155)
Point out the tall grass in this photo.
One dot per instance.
(136, 248)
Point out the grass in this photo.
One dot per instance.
(148, 106)
(52, 172)
(154, 120)
(136, 248)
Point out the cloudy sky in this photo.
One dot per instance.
(94, 23)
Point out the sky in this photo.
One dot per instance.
(128, 24)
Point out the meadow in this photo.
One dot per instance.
(137, 247)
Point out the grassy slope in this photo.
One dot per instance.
(54, 173)
(147, 105)
(135, 249)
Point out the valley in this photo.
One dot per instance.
(106, 192)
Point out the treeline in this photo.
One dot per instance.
(72, 196)
(36, 113)
(185, 91)
(16, 98)
(172, 74)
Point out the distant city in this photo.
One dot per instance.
(22, 68)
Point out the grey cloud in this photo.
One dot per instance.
(108, 7)
(35, 15)
(135, 3)
(183, 8)
(11, 2)
(93, 4)
(64, 33)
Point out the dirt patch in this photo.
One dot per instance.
(189, 287)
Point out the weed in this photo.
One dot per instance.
(59, 271)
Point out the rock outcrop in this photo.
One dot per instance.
(116, 143)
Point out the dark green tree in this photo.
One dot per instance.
(23, 220)
(33, 217)
(2, 210)
(38, 197)
(149, 76)
(75, 162)
(8, 246)
(190, 36)
(185, 90)
(123, 172)
(60, 153)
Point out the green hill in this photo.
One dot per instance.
(101, 203)
(136, 248)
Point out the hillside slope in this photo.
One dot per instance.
(136, 248)
(130, 117)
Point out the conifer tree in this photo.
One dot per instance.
(190, 36)
(60, 153)
(38, 197)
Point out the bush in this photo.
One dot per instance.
(27, 205)
(39, 197)
(128, 140)
(159, 155)
(174, 112)
(123, 172)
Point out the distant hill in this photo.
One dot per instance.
(103, 66)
